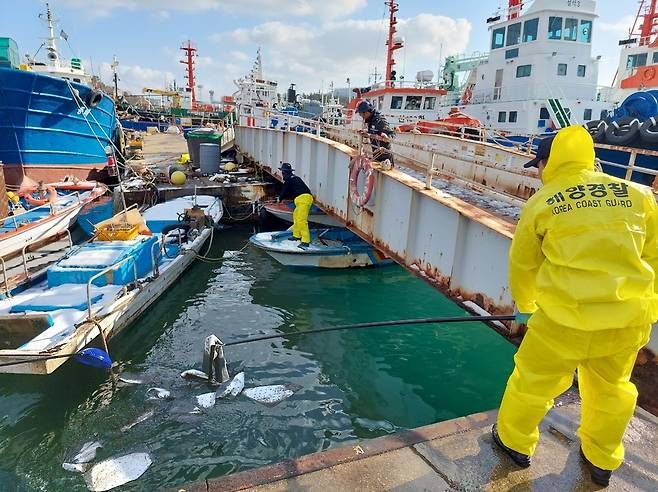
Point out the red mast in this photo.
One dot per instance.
(648, 27)
(391, 43)
(514, 9)
(190, 52)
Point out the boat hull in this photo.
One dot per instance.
(283, 212)
(44, 134)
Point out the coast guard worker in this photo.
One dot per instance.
(379, 128)
(295, 188)
(583, 266)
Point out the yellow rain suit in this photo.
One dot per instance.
(300, 230)
(583, 261)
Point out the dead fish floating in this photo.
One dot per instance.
(81, 461)
(159, 394)
(206, 400)
(270, 395)
(138, 420)
(234, 388)
(129, 381)
(194, 375)
(115, 472)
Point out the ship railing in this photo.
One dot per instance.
(162, 244)
(90, 314)
(25, 260)
(48, 205)
(401, 84)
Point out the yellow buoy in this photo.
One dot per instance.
(231, 166)
(178, 178)
(184, 159)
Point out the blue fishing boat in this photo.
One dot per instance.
(334, 247)
(52, 122)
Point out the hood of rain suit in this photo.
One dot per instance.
(586, 246)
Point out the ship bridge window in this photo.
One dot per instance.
(502, 117)
(530, 28)
(429, 103)
(514, 34)
(582, 69)
(585, 34)
(639, 60)
(587, 115)
(543, 113)
(498, 38)
(513, 53)
(513, 116)
(555, 27)
(523, 71)
(413, 102)
(396, 102)
(562, 69)
(570, 29)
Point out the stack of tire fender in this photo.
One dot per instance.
(635, 119)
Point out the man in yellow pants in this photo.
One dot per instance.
(295, 188)
(583, 266)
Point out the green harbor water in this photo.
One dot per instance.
(352, 385)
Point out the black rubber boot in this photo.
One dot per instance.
(293, 238)
(304, 245)
(523, 460)
(599, 475)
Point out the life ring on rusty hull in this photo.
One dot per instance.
(358, 165)
(37, 202)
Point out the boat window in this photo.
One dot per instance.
(530, 28)
(523, 71)
(604, 114)
(587, 115)
(413, 102)
(429, 103)
(585, 35)
(396, 102)
(555, 27)
(76, 80)
(513, 53)
(498, 38)
(513, 116)
(582, 69)
(502, 117)
(655, 57)
(639, 60)
(562, 69)
(514, 34)
(570, 29)
(543, 114)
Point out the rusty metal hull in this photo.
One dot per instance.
(456, 246)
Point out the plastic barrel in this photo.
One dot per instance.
(209, 157)
(200, 136)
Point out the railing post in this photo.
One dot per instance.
(631, 165)
(430, 173)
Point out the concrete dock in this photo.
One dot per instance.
(457, 454)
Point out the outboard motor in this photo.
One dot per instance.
(214, 362)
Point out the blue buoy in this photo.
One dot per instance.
(94, 357)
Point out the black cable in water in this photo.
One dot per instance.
(376, 324)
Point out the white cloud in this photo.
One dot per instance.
(134, 78)
(333, 51)
(619, 28)
(295, 8)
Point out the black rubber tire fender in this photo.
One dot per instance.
(649, 131)
(622, 131)
(597, 129)
(93, 98)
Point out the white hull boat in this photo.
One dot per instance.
(101, 287)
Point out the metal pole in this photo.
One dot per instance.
(430, 173)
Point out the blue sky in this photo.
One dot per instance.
(310, 42)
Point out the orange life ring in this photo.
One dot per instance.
(358, 165)
(649, 73)
(37, 202)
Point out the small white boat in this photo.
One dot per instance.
(101, 287)
(283, 210)
(44, 221)
(334, 247)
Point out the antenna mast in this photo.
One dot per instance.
(190, 53)
(647, 30)
(392, 44)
